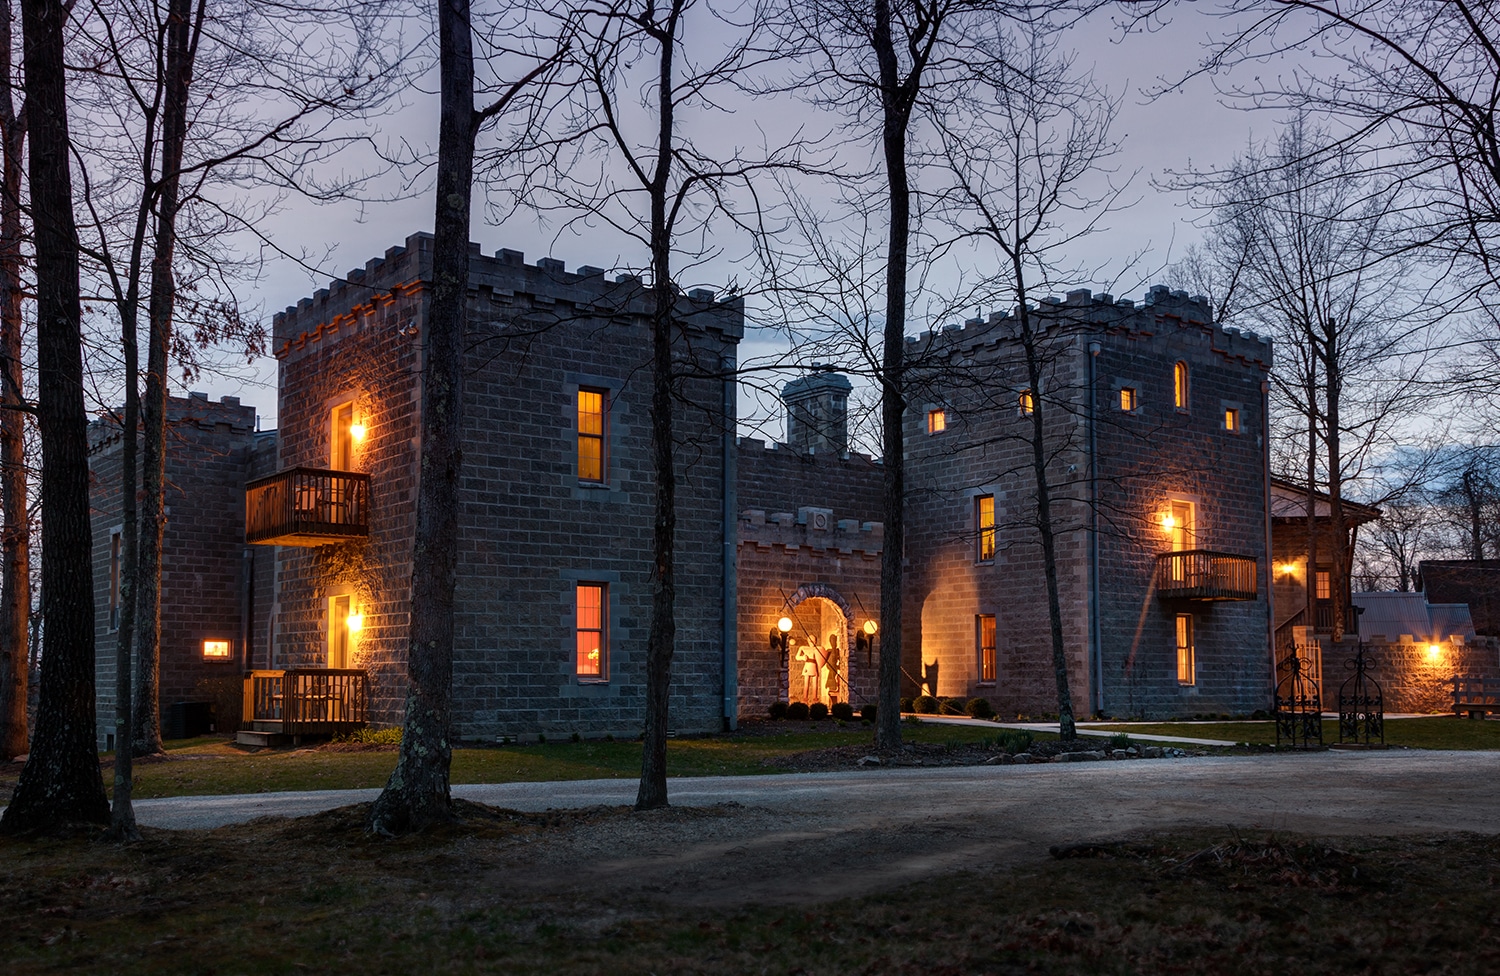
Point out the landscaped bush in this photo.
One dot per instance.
(1015, 741)
(927, 705)
(979, 708)
(867, 712)
(843, 711)
(797, 711)
(384, 737)
(817, 711)
(953, 706)
(1120, 740)
(778, 709)
(908, 705)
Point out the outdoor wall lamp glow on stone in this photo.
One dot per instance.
(865, 640)
(779, 639)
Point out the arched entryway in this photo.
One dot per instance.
(818, 650)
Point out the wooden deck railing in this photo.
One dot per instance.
(308, 700)
(307, 507)
(1198, 574)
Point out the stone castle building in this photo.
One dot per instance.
(1154, 441)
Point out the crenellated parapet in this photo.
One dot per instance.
(814, 529)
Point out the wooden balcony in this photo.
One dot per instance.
(1198, 574)
(307, 507)
(306, 701)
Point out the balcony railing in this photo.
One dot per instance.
(1323, 619)
(307, 701)
(307, 507)
(1198, 574)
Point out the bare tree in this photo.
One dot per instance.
(61, 781)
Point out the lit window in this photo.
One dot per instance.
(1128, 401)
(591, 636)
(1185, 662)
(937, 421)
(1179, 523)
(216, 650)
(986, 634)
(1180, 386)
(341, 454)
(591, 407)
(1232, 420)
(1027, 403)
(343, 624)
(984, 521)
(115, 543)
(1324, 590)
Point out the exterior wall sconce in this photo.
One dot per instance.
(1434, 651)
(1288, 569)
(357, 431)
(779, 637)
(1168, 523)
(355, 622)
(865, 640)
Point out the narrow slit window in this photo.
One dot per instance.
(1180, 386)
(343, 437)
(591, 637)
(1232, 420)
(343, 623)
(1026, 402)
(985, 629)
(984, 520)
(937, 421)
(115, 543)
(591, 407)
(1128, 401)
(1186, 665)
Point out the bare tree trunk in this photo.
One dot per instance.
(1312, 496)
(15, 533)
(896, 116)
(1338, 575)
(417, 794)
(60, 782)
(662, 637)
(178, 82)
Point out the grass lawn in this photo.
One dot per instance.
(317, 895)
(1444, 732)
(213, 766)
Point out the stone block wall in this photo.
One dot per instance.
(778, 478)
(1412, 679)
(205, 564)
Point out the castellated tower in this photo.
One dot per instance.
(817, 412)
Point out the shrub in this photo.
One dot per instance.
(778, 709)
(575, 737)
(1015, 741)
(908, 705)
(979, 708)
(1120, 740)
(927, 705)
(385, 737)
(817, 711)
(951, 706)
(843, 711)
(797, 711)
(867, 712)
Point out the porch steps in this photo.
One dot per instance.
(263, 735)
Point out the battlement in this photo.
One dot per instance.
(195, 410)
(407, 268)
(1101, 314)
(812, 528)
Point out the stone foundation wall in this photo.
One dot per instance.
(1412, 679)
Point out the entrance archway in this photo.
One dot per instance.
(818, 655)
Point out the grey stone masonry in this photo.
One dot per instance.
(534, 524)
(817, 413)
(207, 571)
(1118, 452)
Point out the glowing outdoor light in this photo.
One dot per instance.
(870, 628)
(1287, 569)
(1168, 523)
(355, 622)
(1433, 650)
(216, 650)
(357, 431)
(865, 640)
(779, 637)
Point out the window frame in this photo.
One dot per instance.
(1129, 399)
(984, 551)
(1026, 403)
(1181, 385)
(600, 437)
(1322, 584)
(984, 627)
(1187, 651)
(937, 420)
(340, 644)
(1232, 422)
(600, 628)
(341, 436)
(116, 565)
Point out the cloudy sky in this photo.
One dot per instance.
(1189, 125)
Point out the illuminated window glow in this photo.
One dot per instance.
(984, 521)
(985, 628)
(1186, 665)
(341, 631)
(216, 650)
(937, 421)
(591, 637)
(591, 407)
(1232, 420)
(1027, 403)
(341, 452)
(1324, 589)
(1180, 386)
(1128, 400)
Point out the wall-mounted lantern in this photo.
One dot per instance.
(355, 622)
(1434, 651)
(779, 637)
(865, 640)
(357, 431)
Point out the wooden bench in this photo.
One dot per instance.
(1477, 696)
